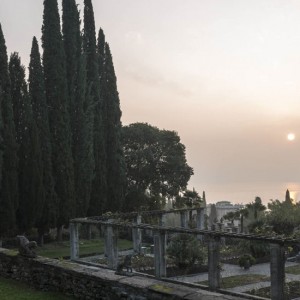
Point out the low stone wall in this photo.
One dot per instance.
(85, 282)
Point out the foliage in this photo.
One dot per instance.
(59, 119)
(246, 261)
(115, 163)
(9, 182)
(156, 163)
(185, 250)
(283, 216)
(80, 108)
(31, 188)
(41, 118)
(188, 199)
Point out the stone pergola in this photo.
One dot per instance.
(112, 223)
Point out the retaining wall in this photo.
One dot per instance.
(84, 282)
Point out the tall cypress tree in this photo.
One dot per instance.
(59, 119)
(31, 190)
(99, 185)
(9, 183)
(81, 110)
(40, 115)
(116, 173)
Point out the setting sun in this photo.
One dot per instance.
(291, 136)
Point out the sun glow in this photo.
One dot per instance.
(291, 137)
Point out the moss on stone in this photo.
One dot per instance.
(162, 288)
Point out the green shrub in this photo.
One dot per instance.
(246, 261)
(185, 250)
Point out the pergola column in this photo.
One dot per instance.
(162, 220)
(277, 271)
(111, 246)
(214, 262)
(137, 235)
(184, 219)
(74, 241)
(160, 254)
(200, 221)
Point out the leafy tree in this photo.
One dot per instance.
(41, 118)
(156, 163)
(283, 216)
(9, 182)
(59, 119)
(188, 199)
(185, 250)
(80, 108)
(99, 185)
(256, 207)
(115, 164)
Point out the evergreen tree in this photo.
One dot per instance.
(40, 115)
(59, 119)
(81, 110)
(99, 185)
(9, 183)
(116, 168)
(31, 190)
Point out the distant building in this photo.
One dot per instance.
(222, 208)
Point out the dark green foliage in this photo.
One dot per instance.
(115, 164)
(81, 108)
(188, 199)
(59, 119)
(31, 189)
(156, 162)
(9, 183)
(40, 115)
(246, 261)
(185, 250)
(99, 185)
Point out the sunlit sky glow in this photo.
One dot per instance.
(224, 74)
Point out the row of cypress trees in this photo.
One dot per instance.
(60, 148)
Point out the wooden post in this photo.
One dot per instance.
(277, 271)
(214, 263)
(74, 241)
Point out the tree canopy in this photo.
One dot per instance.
(155, 160)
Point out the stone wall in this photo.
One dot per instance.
(86, 282)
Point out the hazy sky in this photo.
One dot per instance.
(224, 74)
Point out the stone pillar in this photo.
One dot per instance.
(111, 246)
(89, 232)
(200, 222)
(74, 241)
(184, 219)
(214, 263)
(137, 235)
(162, 220)
(277, 271)
(160, 254)
(200, 218)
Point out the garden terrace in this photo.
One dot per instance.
(160, 232)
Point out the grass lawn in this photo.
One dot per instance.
(292, 290)
(293, 270)
(14, 290)
(57, 250)
(238, 280)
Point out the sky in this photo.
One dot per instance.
(223, 74)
